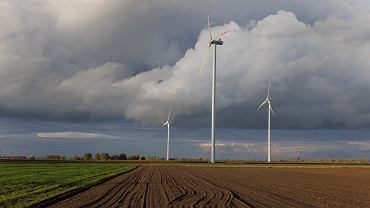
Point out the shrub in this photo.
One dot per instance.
(152, 158)
(87, 156)
(134, 157)
(122, 156)
(54, 157)
(104, 156)
(74, 157)
(97, 156)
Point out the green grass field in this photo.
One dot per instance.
(23, 184)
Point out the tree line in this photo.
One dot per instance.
(102, 156)
(105, 156)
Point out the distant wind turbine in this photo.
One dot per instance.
(268, 101)
(213, 41)
(168, 122)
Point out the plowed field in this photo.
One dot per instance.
(230, 187)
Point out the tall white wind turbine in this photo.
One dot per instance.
(168, 122)
(213, 42)
(268, 101)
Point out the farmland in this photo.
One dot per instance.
(200, 186)
(173, 184)
(23, 184)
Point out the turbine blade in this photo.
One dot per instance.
(165, 123)
(205, 59)
(223, 34)
(209, 24)
(268, 90)
(169, 113)
(261, 104)
(272, 111)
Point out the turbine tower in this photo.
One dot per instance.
(168, 122)
(268, 101)
(213, 42)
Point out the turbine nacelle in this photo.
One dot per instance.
(167, 123)
(268, 101)
(216, 42)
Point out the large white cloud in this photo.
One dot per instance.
(93, 59)
(74, 135)
(318, 73)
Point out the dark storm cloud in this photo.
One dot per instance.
(105, 59)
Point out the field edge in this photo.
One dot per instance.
(60, 197)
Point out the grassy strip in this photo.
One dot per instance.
(23, 184)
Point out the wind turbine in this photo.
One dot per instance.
(213, 42)
(168, 122)
(268, 101)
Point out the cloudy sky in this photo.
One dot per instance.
(88, 61)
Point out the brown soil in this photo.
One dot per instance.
(230, 187)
